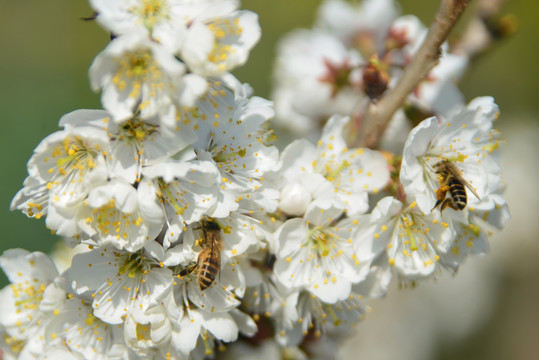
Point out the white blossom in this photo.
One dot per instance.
(322, 254)
(64, 166)
(114, 213)
(161, 20)
(119, 282)
(316, 76)
(29, 275)
(219, 38)
(186, 190)
(414, 244)
(354, 24)
(465, 138)
(137, 75)
(231, 134)
(72, 319)
(331, 170)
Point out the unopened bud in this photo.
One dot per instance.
(294, 199)
(375, 79)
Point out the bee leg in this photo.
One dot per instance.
(446, 203)
(440, 195)
(186, 271)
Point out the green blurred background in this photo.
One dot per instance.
(46, 50)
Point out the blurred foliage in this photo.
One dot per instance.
(47, 49)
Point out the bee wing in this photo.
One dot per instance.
(469, 186)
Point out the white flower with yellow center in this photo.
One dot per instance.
(134, 143)
(72, 319)
(29, 275)
(148, 334)
(137, 143)
(230, 132)
(201, 316)
(416, 245)
(114, 213)
(467, 140)
(321, 253)
(199, 330)
(161, 20)
(472, 234)
(139, 76)
(219, 38)
(330, 170)
(312, 315)
(237, 234)
(186, 190)
(63, 168)
(120, 283)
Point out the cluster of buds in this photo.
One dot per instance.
(189, 230)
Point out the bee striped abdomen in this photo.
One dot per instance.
(458, 193)
(208, 269)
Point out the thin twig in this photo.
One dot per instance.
(379, 114)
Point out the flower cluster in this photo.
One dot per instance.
(349, 59)
(189, 229)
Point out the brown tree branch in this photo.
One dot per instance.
(379, 114)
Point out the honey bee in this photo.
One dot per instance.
(209, 259)
(451, 180)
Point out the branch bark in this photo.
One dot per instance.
(379, 114)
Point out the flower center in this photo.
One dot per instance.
(225, 32)
(151, 12)
(134, 70)
(168, 197)
(332, 173)
(137, 130)
(73, 156)
(28, 295)
(321, 241)
(112, 222)
(133, 266)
